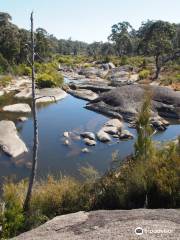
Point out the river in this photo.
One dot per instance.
(54, 157)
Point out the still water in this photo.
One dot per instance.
(55, 158)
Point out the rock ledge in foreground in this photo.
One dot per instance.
(110, 225)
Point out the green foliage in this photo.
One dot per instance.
(9, 40)
(13, 218)
(45, 80)
(42, 44)
(5, 80)
(48, 76)
(143, 74)
(121, 36)
(50, 197)
(143, 146)
(22, 70)
(4, 65)
(54, 197)
(156, 37)
(71, 61)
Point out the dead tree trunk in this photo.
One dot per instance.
(158, 67)
(35, 125)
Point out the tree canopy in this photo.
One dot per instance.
(159, 39)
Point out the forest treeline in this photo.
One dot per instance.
(153, 38)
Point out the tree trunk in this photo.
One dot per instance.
(158, 68)
(35, 126)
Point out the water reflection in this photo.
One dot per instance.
(68, 114)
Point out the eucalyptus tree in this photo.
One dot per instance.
(94, 49)
(121, 36)
(5, 18)
(157, 40)
(9, 38)
(42, 43)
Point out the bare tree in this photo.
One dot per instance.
(35, 124)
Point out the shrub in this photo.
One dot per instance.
(144, 74)
(22, 70)
(178, 78)
(48, 80)
(4, 65)
(13, 218)
(124, 60)
(44, 80)
(5, 80)
(47, 75)
(54, 197)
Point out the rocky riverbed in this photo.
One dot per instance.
(68, 127)
(120, 95)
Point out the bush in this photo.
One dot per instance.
(5, 80)
(48, 76)
(144, 74)
(13, 218)
(4, 65)
(54, 197)
(49, 80)
(45, 80)
(50, 197)
(22, 70)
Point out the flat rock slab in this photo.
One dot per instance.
(19, 107)
(10, 142)
(162, 224)
(50, 94)
(83, 94)
(43, 95)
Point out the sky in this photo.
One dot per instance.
(88, 20)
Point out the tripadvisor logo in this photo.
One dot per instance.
(138, 231)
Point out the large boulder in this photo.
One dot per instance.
(83, 94)
(114, 123)
(103, 136)
(122, 75)
(161, 224)
(107, 66)
(127, 100)
(125, 134)
(92, 72)
(24, 93)
(89, 142)
(50, 94)
(43, 95)
(1, 93)
(89, 135)
(95, 86)
(19, 107)
(10, 142)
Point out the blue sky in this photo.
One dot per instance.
(88, 20)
